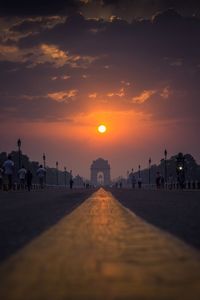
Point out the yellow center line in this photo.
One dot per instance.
(102, 251)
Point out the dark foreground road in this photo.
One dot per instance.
(177, 212)
(102, 251)
(25, 215)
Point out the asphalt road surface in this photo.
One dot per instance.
(177, 212)
(24, 215)
(58, 246)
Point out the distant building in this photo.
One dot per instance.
(100, 173)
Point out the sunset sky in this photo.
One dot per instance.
(68, 66)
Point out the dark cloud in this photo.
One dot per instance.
(126, 9)
(154, 56)
(149, 7)
(134, 9)
(37, 7)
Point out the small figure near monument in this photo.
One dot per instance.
(133, 179)
(8, 167)
(71, 182)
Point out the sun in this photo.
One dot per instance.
(102, 128)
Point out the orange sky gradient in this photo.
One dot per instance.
(131, 138)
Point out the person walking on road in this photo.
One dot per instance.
(139, 182)
(41, 172)
(22, 176)
(133, 181)
(158, 180)
(71, 182)
(1, 178)
(8, 167)
(29, 177)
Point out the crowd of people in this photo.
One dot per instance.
(24, 175)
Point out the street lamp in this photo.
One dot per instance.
(150, 170)
(19, 151)
(165, 153)
(44, 164)
(180, 169)
(71, 180)
(44, 160)
(57, 172)
(65, 173)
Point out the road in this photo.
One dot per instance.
(101, 250)
(25, 215)
(176, 211)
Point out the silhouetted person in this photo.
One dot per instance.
(162, 181)
(170, 181)
(29, 177)
(22, 176)
(120, 185)
(8, 167)
(71, 182)
(41, 175)
(158, 180)
(133, 181)
(1, 178)
(139, 182)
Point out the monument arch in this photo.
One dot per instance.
(100, 172)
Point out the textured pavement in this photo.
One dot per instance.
(25, 215)
(102, 251)
(175, 211)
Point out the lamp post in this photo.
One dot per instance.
(180, 169)
(57, 172)
(19, 151)
(44, 165)
(139, 170)
(149, 170)
(165, 153)
(65, 174)
(71, 180)
(44, 160)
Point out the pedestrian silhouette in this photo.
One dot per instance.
(8, 167)
(22, 176)
(133, 180)
(158, 180)
(29, 177)
(162, 181)
(1, 178)
(170, 181)
(139, 182)
(71, 182)
(41, 175)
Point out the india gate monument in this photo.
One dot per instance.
(100, 172)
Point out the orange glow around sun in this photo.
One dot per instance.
(102, 128)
